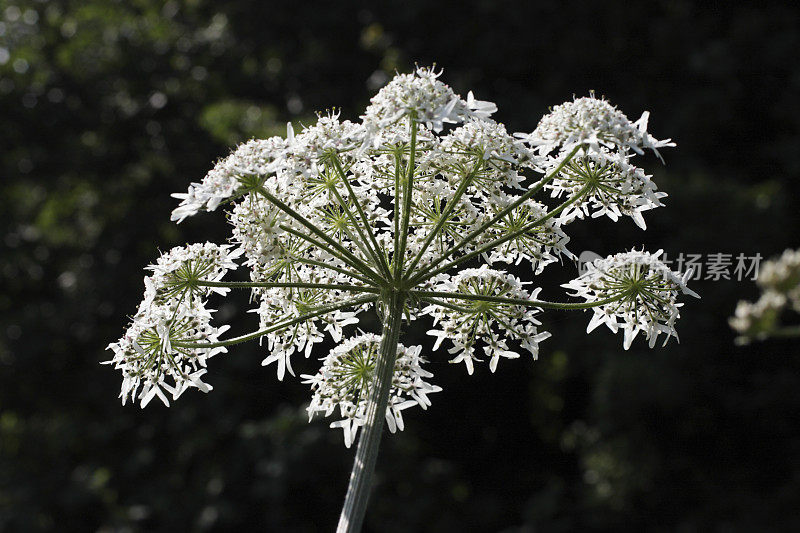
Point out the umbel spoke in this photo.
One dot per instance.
(348, 256)
(278, 284)
(429, 272)
(408, 194)
(488, 224)
(378, 252)
(512, 301)
(279, 326)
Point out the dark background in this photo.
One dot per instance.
(106, 107)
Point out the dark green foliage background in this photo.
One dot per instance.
(106, 107)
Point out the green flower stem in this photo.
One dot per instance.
(355, 503)
(361, 241)
(424, 275)
(357, 263)
(444, 304)
(529, 194)
(396, 219)
(451, 205)
(408, 189)
(298, 285)
(281, 325)
(785, 332)
(354, 261)
(320, 264)
(321, 245)
(514, 301)
(380, 254)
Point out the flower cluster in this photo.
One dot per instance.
(594, 122)
(782, 275)
(427, 99)
(591, 144)
(612, 187)
(633, 291)
(345, 381)
(491, 323)
(278, 303)
(238, 172)
(158, 344)
(779, 280)
(424, 200)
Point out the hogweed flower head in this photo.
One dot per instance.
(154, 353)
(427, 99)
(232, 176)
(176, 273)
(411, 213)
(331, 219)
(782, 275)
(757, 320)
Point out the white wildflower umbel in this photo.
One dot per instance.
(478, 321)
(155, 354)
(613, 187)
(424, 97)
(239, 173)
(782, 275)
(634, 291)
(593, 122)
(157, 351)
(176, 273)
(411, 213)
(346, 377)
(779, 281)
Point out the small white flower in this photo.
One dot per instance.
(480, 108)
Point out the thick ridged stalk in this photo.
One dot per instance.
(355, 503)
